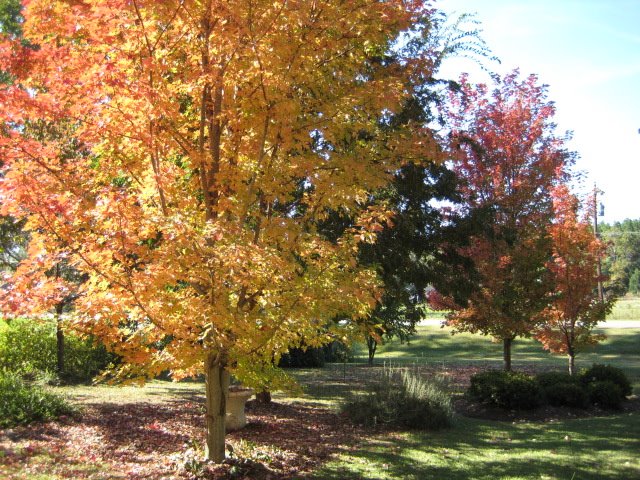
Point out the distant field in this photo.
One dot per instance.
(627, 308)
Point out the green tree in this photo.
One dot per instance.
(623, 254)
(12, 240)
(408, 253)
(11, 17)
(634, 282)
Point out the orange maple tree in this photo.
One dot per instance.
(508, 158)
(575, 308)
(211, 137)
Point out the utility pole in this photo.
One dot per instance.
(595, 229)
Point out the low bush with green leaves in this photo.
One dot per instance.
(548, 379)
(509, 390)
(29, 347)
(22, 403)
(606, 394)
(566, 395)
(606, 373)
(563, 390)
(403, 398)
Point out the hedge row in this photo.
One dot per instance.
(601, 385)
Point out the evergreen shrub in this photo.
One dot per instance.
(603, 373)
(23, 403)
(566, 395)
(509, 390)
(606, 394)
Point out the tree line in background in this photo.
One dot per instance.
(203, 186)
(621, 265)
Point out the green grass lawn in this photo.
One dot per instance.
(565, 449)
(625, 308)
(436, 346)
(580, 449)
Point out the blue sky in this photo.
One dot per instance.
(588, 52)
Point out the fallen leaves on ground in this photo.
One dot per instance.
(156, 441)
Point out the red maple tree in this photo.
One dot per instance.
(575, 309)
(505, 151)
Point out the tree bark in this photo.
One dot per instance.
(59, 340)
(264, 396)
(217, 389)
(372, 345)
(506, 353)
(572, 363)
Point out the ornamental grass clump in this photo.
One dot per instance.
(403, 398)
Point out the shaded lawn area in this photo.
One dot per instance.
(155, 433)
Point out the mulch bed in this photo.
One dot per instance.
(154, 441)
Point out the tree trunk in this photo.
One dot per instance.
(506, 353)
(59, 340)
(572, 363)
(372, 345)
(217, 386)
(263, 397)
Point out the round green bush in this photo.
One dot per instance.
(606, 394)
(602, 373)
(547, 379)
(566, 395)
(508, 390)
(21, 403)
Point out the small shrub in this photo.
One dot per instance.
(603, 373)
(337, 352)
(548, 379)
(28, 347)
(21, 403)
(403, 399)
(606, 394)
(509, 390)
(566, 395)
